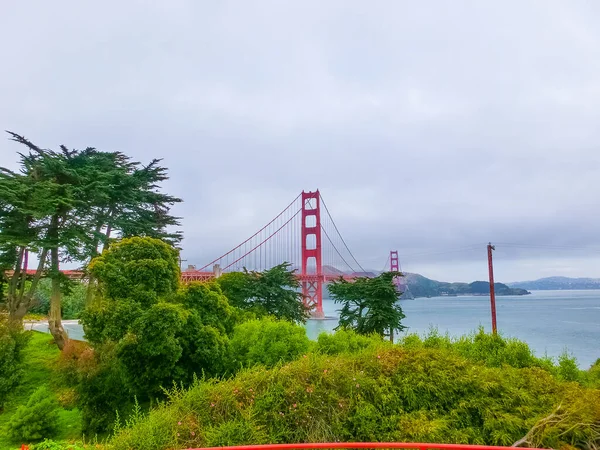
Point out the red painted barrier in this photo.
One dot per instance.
(333, 445)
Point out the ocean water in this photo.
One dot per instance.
(549, 321)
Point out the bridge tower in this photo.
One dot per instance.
(394, 264)
(395, 267)
(312, 284)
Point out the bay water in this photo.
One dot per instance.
(549, 321)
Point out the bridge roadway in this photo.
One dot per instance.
(188, 276)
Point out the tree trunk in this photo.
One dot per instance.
(91, 289)
(55, 317)
(391, 335)
(37, 276)
(24, 275)
(20, 302)
(12, 297)
(89, 294)
(13, 283)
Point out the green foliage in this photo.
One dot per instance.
(273, 292)
(384, 393)
(109, 320)
(103, 389)
(369, 305)
(149, 353)
(48, 444)
(72, 303)
(141, 269)
(268, 342)
(36, 420)
(205, 350)
(493, 350)
(209, 302)
(142, 346)
(346, 341)
(12, 342)
(39, 362)
(592, 376)
(567, 367)
(234, 286)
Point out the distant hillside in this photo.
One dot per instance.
(558, 283)
(421, 286)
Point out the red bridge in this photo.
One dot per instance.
(300, 235)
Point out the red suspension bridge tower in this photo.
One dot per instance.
(394, 264)
(312, 283)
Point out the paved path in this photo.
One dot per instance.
(72, 327)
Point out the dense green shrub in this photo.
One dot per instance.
(567, 369)
(149, 353)
(346, 341)
(12, 341)
(48, 444)
(387, 393)
(592, 376)
(267, 341)
(36, 420)
(109, 320)
(102, 389)
(493, 350)
(140, 347)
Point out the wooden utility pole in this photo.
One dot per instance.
(490, 247)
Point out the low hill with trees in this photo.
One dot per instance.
(421, 286)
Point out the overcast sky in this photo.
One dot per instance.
(428, 126)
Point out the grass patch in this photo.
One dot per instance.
(39, 362)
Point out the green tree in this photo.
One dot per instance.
(129, 204)
(143, 269)
(64, 205)
(23, 200)
(274, 292)
(149, 331)
(37, 419)
(369, 305)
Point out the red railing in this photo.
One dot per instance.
(332, 445)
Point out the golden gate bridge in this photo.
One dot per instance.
(304, 235)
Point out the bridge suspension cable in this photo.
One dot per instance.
(340, 235)
(220, 258)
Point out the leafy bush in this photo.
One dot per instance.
(267, 341)
(493, 350)
(36, 420)
(109, 320)
(150, 352)
(102, 389)
(592, 376)
(388, 393)
(48, 444)
(346, 341)
(12, 341)
(567, 368)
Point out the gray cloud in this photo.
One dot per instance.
(428, 126)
